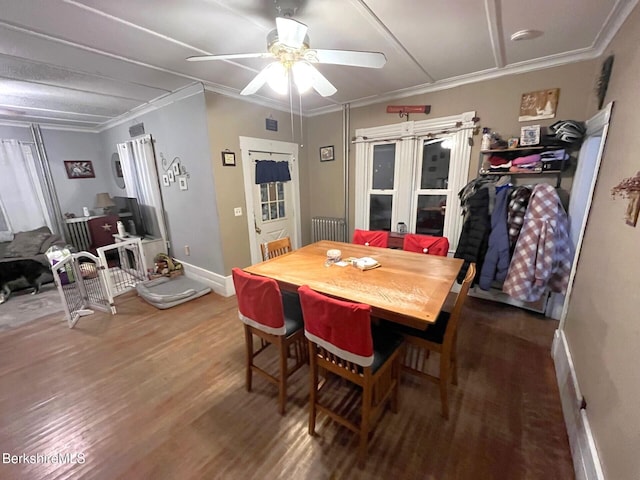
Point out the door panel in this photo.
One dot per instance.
(273, 209)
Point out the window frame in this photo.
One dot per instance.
(409, 137)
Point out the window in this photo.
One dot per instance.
(411, 172)
(272, 201)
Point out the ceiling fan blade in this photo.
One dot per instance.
(320, 84)
(291, 32)
(230, 56)
(347, 57)
(260, 79)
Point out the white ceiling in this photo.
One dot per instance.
(86, 63)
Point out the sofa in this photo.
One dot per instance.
(29, 245)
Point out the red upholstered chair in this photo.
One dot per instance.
(341, 341)
(275, 320)
(373, 238)
(102, 230)
(426, 244)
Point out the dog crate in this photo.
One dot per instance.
(87, 282)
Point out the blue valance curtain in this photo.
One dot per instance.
(268, 171)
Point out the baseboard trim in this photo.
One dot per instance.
(220, 284)
(586, 461)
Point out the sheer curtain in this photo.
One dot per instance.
(140, 174)
(22, 201)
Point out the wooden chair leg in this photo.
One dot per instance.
(395, 377)
(454, 368)
(248, 340)
(444, 384)
(282, 390)
(364, 422)
(313, 389)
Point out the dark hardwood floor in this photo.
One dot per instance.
(160, 394)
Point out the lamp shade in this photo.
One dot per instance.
(104, 200)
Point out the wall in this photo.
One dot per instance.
(75, 193)
(496, 102)
(179, 129)
(229, 119)
(326, 190)
(22, 134)
(602, 326)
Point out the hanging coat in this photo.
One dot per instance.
(542, 257)
(472, 244)
(496, 261)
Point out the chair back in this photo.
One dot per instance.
(259, 302)
(426, 244)
(454, 318)
(342, 328)
(275, 248)
(102, 230)
(373, 238)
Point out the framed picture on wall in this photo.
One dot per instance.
(326, 154)
(228, 159)
(79, 169)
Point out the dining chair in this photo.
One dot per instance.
(441, 338)
(373, 238)
(276, 320)
(342, 342)
(275, 248)
(101, 231)
(426, 244)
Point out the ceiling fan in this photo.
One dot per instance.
(288, 45)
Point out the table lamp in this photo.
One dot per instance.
(104, 201)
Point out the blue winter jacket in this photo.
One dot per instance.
(497, 259)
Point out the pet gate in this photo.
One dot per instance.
(86, 282)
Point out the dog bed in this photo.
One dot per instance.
(166, 292)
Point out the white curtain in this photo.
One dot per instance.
(140, 173)
(22, 204)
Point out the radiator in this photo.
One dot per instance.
(328, 228)
(78, 233)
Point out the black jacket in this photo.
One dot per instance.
(473, 242)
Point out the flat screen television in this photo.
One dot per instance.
(130, 215)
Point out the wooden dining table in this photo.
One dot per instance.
(408, 288)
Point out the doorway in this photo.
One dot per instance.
(584, 184)
(273, 208)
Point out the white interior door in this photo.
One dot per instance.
(273, 204)
(272, 208)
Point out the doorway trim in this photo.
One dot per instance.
(252, 144)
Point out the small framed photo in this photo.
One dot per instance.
(79, 169)
(326, 154)
(182, 182)
(172, 177)
(176, 168)
(530, 135)
(165, 180)
(228, 159)
(513, 142)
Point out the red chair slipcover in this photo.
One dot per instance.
(426, 244)
(259, 302)
(342, 328)
(102, 230)
(373, 238)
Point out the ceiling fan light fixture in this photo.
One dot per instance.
(302, 76)
(277, 78)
